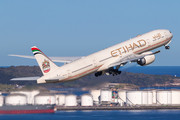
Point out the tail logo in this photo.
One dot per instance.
(46, 66)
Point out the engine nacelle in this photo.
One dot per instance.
(146, 60)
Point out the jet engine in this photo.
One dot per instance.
(146, 60)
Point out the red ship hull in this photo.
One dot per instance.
(25, 111)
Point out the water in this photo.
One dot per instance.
(100, 115)
(156, 70)
(4, 66)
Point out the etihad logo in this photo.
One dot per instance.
(46, 66)
(158, 35)
(127, 48)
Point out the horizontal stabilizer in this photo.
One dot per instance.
(25, 79)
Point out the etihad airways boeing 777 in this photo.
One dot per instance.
(107, 61)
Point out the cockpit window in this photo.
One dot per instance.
(170, 31)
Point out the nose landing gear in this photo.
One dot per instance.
(167, 47)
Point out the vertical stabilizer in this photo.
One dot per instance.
(45, 63)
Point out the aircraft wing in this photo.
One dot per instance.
(131, 58)
(54, 59)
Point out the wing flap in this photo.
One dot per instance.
(54, 79)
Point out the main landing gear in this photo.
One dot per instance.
(98, 74)
(115, 72)
(167, 47)
(112, 71)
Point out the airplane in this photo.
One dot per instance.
(107, 61)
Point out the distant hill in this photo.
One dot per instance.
(139, 79)
(6, 73)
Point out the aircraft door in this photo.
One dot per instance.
(69, 73)
(94, 62)
(148, 42)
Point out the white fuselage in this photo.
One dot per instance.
(99, 61)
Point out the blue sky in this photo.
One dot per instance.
(82, 27)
